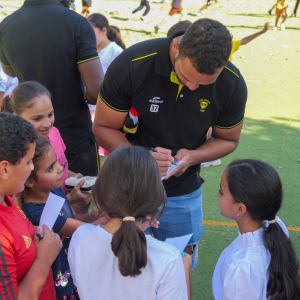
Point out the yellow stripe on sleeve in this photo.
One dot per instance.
(80, 62)
(230, 126)
(144, 56)
(120, 110)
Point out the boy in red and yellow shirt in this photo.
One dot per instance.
(25, 262)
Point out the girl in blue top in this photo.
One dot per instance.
(47, 178)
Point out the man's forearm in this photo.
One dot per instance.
(212, 149)
(110, 139)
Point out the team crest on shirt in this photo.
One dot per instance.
(203, 104)
(27, 241)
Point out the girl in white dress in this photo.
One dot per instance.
(260, 263)
(117, 260)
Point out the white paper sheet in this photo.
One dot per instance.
(51, 210)
(179, 242)
(172, 168)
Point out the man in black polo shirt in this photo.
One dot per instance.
(48, 43)
(179, 87)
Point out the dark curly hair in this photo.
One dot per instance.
(207, 44)
(16, 134)
(181, 25)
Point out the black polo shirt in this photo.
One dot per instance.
(171, 116)
(44, 41)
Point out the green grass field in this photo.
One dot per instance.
(270, 65)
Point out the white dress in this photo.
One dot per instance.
(241, 272)
(95, 272)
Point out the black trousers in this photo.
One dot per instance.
(86, 163)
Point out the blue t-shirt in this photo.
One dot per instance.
(63, 281)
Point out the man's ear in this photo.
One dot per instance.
(30, 182)
(175, 46)
(4, 169)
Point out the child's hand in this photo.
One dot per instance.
(96, 213)
(48, 248)
(77, 196)
(148, 223)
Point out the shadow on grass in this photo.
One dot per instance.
(120, 19)
(140, 31)
(251, 15)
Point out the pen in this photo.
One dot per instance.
(154, 150)
(39, 236)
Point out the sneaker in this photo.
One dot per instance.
(156, 28)
(143, 18)
(293, 16)
(213, 163)
(198, 13)
(270, 12)
(282, 26)
(275, 28)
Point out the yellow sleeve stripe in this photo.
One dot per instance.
(144, 56)
(120, 110)
(232, 72)
(80, 62)
(230, 126)
(5, 65)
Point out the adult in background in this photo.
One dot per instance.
(48, 43)
(179, 87)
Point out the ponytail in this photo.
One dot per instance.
(129, 245)
(7, 105)
(129, 184)
(283, 281)
(113, 36)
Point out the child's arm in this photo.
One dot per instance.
(32, 284)
(72, 224)
(249, 38)
(187, 264)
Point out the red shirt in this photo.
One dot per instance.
(17, 252)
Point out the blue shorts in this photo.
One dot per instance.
(182, 216)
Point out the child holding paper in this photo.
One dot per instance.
(47, 178)
(128, 189)
(260, 263)
(25, 262)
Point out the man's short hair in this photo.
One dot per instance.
(207, 44)
(16, 135)
(182, 25)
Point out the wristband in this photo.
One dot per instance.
(90, 215)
